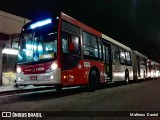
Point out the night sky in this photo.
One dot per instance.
(135, 23)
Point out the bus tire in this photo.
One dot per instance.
(93, 79)
(126, 77)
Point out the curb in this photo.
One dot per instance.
(8, 92)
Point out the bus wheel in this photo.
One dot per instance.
(126, 77)
(58, 87)
(93, 79)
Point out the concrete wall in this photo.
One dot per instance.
(11, 24)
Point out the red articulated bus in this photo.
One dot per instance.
(62, 51)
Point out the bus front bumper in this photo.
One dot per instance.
(50, 78)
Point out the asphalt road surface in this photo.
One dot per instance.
(118, 101)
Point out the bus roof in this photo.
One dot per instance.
(140, 54)
(115, 42)
(153, 62)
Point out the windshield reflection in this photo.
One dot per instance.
(37, 45)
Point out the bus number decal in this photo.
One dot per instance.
(86, 64)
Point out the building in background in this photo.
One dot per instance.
(10, 27)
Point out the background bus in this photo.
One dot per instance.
(139, 63)
(154, 69)
(121, 64)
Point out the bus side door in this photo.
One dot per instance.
(107, 61)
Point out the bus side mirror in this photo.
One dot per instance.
(71, 46)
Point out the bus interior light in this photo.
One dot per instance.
(10, 51)
(41, 23)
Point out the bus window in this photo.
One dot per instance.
(115, 52)
(70, 39)
(90, 46)
(76, 41)
(70, 28)
(86, 38)
(105, 54)
(93, 41)
(100, 49)
(128, 58)
(122, 56)
(65, 42)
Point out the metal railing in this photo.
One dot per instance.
(8, 78)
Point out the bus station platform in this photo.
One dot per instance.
(4, 88)
(11, 89)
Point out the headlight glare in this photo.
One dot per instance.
(54, 66)
(19, 70)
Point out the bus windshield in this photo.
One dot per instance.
(37, 45)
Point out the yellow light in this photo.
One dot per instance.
(64, 76)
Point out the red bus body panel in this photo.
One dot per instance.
(35, 69)
(79, 74)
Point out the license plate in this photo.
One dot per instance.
(33, 77)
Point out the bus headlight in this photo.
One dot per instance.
(19, 70)
(54, 66)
